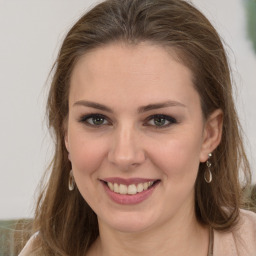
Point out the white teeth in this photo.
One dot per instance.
(145, 185)
(140, 187)
(111, 186)
(131, 189)
(116, 188)
(123, 189)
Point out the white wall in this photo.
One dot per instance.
(30, 35)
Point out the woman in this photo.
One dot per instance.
(147, 141)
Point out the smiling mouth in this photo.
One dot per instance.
(131, 189)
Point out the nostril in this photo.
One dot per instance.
(126, 159)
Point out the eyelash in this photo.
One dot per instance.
(85, 119)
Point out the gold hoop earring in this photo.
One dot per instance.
(71, 181)
(208, 173)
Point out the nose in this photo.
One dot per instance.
(126, 148)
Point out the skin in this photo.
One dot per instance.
(129, 144)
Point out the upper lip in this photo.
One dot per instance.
(127, 182)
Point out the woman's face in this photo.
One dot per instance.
(135, 126)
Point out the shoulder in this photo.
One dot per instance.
(241, 240)
(246, 230)
(30, 245)
(248, 221)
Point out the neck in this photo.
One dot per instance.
(183, 235)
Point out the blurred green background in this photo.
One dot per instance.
(251, 21)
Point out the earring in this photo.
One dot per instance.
(71, 181)
(208, 173)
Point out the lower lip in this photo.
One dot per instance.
(129, 199)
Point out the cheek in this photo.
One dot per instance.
(178, 157)
(86, 152)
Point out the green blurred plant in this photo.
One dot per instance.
(251, 21)
(13, 236)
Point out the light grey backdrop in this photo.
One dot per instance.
(30, 35)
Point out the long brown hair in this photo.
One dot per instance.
(67, 224)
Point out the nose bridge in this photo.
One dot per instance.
(126, 149)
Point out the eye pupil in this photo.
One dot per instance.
(98, 120)
(159, 121)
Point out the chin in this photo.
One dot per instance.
(128, 222)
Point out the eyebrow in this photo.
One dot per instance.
(160, 105)
(140, 109)
(93, 105)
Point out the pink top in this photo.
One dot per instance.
(239, 242)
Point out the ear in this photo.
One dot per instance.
(66, 141)
(65, 128)
(67, 144)
(212, 134)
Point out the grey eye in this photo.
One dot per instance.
(159, 121)
(96, 120)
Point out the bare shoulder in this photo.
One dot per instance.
(30, 245)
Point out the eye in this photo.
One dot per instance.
(94, 120)
(161, 121)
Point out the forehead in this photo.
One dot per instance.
(147, 71)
